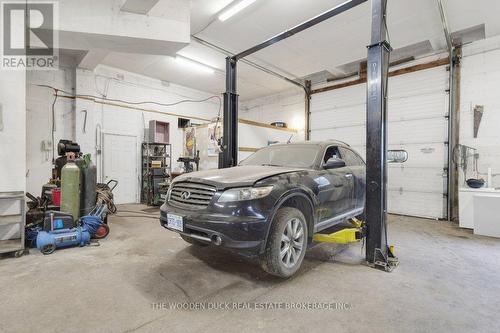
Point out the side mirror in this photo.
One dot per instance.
(334, 163)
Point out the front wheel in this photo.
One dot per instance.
(286, 244)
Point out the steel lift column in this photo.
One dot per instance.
(378, 253)
(229, 155)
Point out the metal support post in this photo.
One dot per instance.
(307, 109)
(378, 253)
(229, 155)
(453, 132)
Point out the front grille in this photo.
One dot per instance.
(190, 195)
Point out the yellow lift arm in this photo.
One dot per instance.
(353, 235)
(344, 236)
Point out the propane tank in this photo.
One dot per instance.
(70, 189)
(89, 184)
(48, 242)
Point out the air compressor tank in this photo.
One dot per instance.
(89, 184)
(70, 189)
(48, 242)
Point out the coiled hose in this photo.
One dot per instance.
(105, 197)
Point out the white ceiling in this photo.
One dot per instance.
(327, 46)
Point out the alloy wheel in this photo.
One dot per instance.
(292, 243)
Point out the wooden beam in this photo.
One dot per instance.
(397, 72)
(420, 67)
(248, 149)
(258, 124)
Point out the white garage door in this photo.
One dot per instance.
(418, 108)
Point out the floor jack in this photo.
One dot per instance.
(356, 234)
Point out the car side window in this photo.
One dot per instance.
(331, 152)
(350, 157)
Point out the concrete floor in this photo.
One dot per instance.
(448, 281)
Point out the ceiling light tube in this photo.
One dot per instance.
(232, 10)
(194, 64)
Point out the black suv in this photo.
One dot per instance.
(271, 204)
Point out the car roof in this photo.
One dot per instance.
(314, 143)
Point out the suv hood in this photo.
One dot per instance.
(245, 175)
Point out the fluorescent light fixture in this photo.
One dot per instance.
(194, 64)
(235, 9)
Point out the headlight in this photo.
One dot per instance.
(245, 193)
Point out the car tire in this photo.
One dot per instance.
(283, 257)
(193, 241)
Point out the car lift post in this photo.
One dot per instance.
(229, 155)
(378, 253)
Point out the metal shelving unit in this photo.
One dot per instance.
(154, 177)
(9, 217)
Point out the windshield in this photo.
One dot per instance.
(294, 156)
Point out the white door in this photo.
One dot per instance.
(120, 163)
(417, 111)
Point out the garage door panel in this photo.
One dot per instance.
(415, 131)
(419, 83)
(411, 203)
(355, 136)
(401, 178)
(339, 98)
(432, 105)
(423, 155)
(348, 116)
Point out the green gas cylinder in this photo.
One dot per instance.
(70, 189)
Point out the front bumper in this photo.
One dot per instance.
(244, 234)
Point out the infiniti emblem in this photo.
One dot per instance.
(185, 195)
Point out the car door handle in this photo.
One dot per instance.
(349, 175)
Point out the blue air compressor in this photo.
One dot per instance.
(48, 242)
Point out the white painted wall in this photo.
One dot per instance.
(480, 86)
(287, 106)
(13, 131)
(39, 122)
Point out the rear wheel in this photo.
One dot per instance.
(286, 244)
(101, 232)
(193, 241)
(48, 249)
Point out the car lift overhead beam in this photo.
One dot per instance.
(301, 27)
(229, 155)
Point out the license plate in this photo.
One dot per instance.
(175, 222)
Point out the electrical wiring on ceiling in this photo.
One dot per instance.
(69, 94)
(105, 98)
